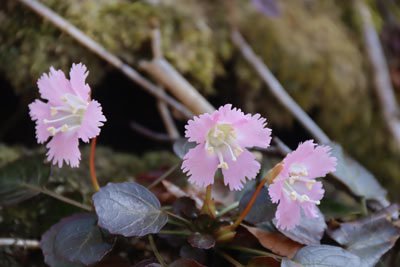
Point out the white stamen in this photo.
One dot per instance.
(53, 111)
(298, 170)
(60, 119)
(293, 195)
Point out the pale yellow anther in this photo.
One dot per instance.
(232, 133)
(310, 184)
(210, 150)
(304, 198)
(292, 180)
(51, 130)
(223, 165)
(53, 111)
(64, 128)
(293, 196)
(238, 151)
(64, 98)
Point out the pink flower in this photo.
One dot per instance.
(222, 139)
(68, 114)
(296, 186)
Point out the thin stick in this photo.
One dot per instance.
(164, 176)
(156, 253)
(19, 242)
(150, 134)
(381, 77)
(276, 88)
(59, 197)
(96, 48)
(229, 258)
(91, 165)
(161, 105)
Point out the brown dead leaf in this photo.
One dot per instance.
(275, 242)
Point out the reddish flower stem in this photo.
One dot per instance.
(92, 171)
(269, 177)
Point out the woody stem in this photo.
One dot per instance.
(91, 164)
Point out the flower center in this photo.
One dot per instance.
(67, 117)
(297, 180)
(221, 140)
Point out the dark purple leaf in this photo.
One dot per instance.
(369, 237)
(193, 253)
(262, 261)
(268, 7)
(262, 210)
(185, 207)
(201, 240)
(147, 263)
(309, 231)
(28, 170)
(323, 255)
(185, 263)
(128, 209)
(75, 241)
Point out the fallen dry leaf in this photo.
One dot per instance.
(275, 242)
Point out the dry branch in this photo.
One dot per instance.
(276, 88)
(96, 48)
(381, 77)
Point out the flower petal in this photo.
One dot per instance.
(39, 111)
(200, 166)
(197, 128)
(78, 76)
(275, 190)
(287, 213)
(309, 209)
(254, 132)
(245, 166)
(64, 147)
(91, 122)
(53, 86)
(315, 158)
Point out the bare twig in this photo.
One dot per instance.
(161, 105)
(164, 73)
(277, 89)
(151, 134)
(96, 48)
(381, 77)
(19, 242)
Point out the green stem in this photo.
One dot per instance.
(162, 177)
(156, 253)
(228, 209)
(229, 258)
(173, 232)
(177, 217)
(59, 197)
(255, 251)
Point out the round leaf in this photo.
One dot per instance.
(323, 255)
(28, 170)
(81, 240)
(128, 209)
(201, 240)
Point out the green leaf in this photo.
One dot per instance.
(128, 209)
(369, 237)
(27, 170)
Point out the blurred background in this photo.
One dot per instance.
(317, 49)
